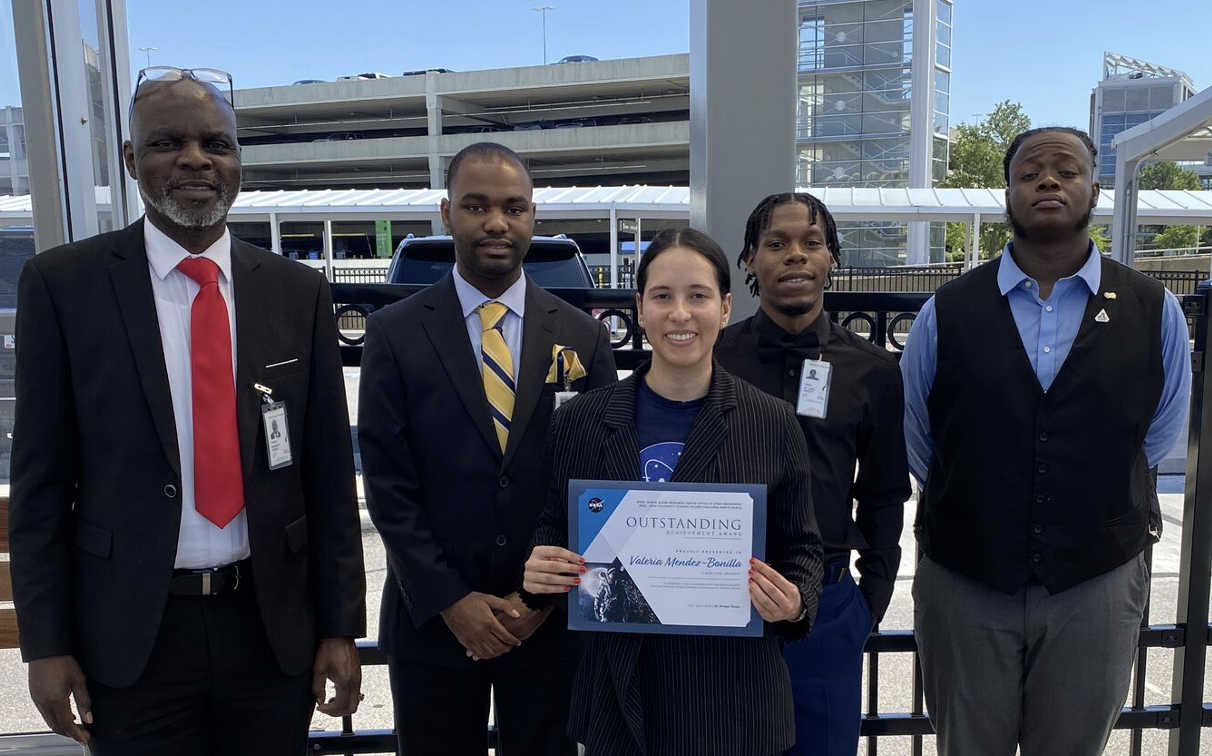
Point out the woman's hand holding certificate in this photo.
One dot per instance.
(775, 597)
(551, 569)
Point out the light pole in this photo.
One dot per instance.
(543, 10)
(148, 50)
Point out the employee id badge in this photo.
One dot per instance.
(814, 389)
(277, 435)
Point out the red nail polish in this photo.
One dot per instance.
(576, 581)
(581, 560)
(583, 570)
(751, 580)
(568, 587)
(752, 561)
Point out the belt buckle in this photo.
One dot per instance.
(206, 583)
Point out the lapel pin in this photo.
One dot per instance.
(1101, 317)
(1108, 295)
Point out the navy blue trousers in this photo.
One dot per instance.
(827, 674)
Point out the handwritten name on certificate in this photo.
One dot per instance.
(667, 558)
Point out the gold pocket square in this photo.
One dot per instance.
(565, 367)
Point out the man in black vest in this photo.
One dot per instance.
(789, 347)
(1040, 388)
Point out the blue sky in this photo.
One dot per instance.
(1045, 54)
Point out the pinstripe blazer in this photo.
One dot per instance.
(653, 695)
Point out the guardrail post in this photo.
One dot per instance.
(1195, 571)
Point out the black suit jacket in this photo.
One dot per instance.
(455, 514)
(96, 468)
(690, 694)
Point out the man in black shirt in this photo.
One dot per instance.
(850, 403)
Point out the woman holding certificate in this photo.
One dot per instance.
(665, 682)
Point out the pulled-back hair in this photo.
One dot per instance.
(690, 239)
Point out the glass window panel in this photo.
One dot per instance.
(885, 149)
(1113, 100)
(943, 34)
(942, 55)
(5, 153)
(885, 123)
(882, 53)
(1161, 98)
(1137, 119)
(843, 56)
(1113, 122)
(843, 13)
(940, 123)
(844, 34)
(942, 81)
(876, 10)
(1137, 99)
(885, 31)
(837, 125)
(944, 12)
(942, 103)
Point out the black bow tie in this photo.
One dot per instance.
(802, 346)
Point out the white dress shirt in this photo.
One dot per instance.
(514, 299)
(200, 543)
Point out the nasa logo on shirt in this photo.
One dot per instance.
(595, 505)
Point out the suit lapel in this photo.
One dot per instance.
(621, 446)
(447, 332)
(131, 277)
(255, 298)
(540, 329)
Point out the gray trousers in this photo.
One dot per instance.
(1049, 673)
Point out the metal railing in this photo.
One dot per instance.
(884, 317)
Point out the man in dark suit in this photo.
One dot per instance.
(191, 584)
(458, 383)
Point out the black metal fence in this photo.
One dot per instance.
(883, 317)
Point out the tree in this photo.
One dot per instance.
(976, 162)
(1177, 237)
(1167, 176)
(1099, 235)
(1173, 177)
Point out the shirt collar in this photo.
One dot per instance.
(470, 297)
(1009, 275)
(763, 324)
(165, 255)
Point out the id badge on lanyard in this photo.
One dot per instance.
(815, 378)
(277, 432)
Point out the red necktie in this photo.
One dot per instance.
(218, 482)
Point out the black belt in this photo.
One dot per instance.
(836, 572)
(211, 581)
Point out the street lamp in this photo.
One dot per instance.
(148, 50)
(543, 10)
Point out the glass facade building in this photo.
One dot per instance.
(1131, 92)
(862, 65)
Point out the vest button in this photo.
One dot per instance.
(1036, 529)
(502, 540)
(504, 481)
(1042, 468)
(1043, 437)
(170, 491)
(791, 373)
(1036, 558)
(1039, 499)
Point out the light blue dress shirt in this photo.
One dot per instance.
(1047, 328)
(514, 298)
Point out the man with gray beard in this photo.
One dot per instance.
(186, 551)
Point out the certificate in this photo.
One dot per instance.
(669, 558)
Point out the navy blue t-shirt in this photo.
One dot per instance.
(662, 426)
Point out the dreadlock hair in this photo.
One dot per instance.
(488, 152)
(759, 221)
(1018, 142)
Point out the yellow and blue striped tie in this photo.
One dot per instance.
(498, 368)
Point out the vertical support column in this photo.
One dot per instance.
(976, 241)
(115, 86)
(1195, 557)
(742, 116)
(921, 122)
(1123, 229)
(614, 248)
(275, 234)
(328, 249)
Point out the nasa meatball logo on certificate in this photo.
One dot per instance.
(668, 558)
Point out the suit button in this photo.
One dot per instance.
(1036, 529)
(1036, 558)
(1042, 468)
(170, 491)
(502, 540)
(791, 373)
(1043, 437)
(1039, 499)
(504, 481)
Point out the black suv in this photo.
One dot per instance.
(553, 262)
